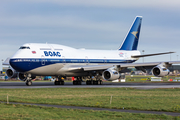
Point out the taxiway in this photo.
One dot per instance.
(105, 84)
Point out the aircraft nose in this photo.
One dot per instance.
(17, 65)
(13, 64)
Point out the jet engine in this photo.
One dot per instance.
(160, 71)
(23, 76)
(11, 73)
(110, 74)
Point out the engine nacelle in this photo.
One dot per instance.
(110, 74)
(23, 76)
(11, 73)
(160, 71)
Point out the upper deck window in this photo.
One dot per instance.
(24, 47)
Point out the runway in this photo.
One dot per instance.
(10, 85)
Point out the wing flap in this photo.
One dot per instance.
(97, 67)
(81, 68)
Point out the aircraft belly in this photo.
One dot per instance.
(60, 69)
(48, 70)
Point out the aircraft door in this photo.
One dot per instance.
(105, 60)
(42, 60)
(63, 60)
(87, 59)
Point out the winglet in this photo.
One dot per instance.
(131, 40)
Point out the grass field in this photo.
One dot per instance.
(127, 98)
(35, 112)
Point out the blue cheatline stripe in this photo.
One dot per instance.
(24, 65)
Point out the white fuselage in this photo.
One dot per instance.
(52, 59)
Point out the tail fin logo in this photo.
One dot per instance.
(121, 54)
(135, 33)
(131, 40)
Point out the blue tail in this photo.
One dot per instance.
(132, 38)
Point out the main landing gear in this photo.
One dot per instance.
(94, 82)
(78, 81)
(59, 81)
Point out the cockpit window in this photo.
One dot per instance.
(24, 47)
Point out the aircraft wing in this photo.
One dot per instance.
(147, 55)
(6, 62)
(79, 68)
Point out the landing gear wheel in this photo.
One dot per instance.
(28, 83)
(62, 82)
(79, 82)
(101, 82)
(91, 82)
(87, 82)
(59, 82)
(76, 82)
(55, 82)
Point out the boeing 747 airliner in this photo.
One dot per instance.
(34, 59)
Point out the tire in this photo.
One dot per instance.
(55, 82)
(79, 82)
(101, 82)
(28, 83)
(91, 82)
(75, 82)
(94, 82)
(98, 82)
(62, 82)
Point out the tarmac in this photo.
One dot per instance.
(154, 85)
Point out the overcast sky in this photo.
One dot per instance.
(90, 24)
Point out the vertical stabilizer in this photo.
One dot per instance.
(131, 40)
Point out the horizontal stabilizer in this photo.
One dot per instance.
(146, 55)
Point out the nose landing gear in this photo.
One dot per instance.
(28, 79)
(28, 82)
